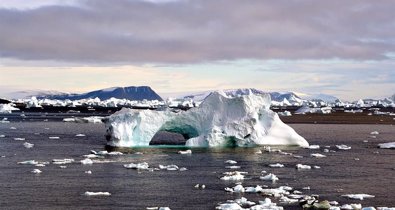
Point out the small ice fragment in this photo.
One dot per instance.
(303, 167)
(277, 165)
(88, 172)
(152, 208)
(186, 152)
(317, 167)
(233, 167)
(40, 165)
(365, 141)
(343, 147)
(36, 171)
(91, 156)
(353, 206)
(314, 147)
(86, 161)
(87, 193)
(238, 189)
(19, 139)
(80, 135)
(115, 153)
(62, 161)
(197, 186)
(358, 196)
(298, 156)
(369, 208)
(28, 145)
(317, 155)
(13, 128)
(231, 162)
(28, 162)
(233, 176)
(183, 169)
(306, 188)
(258, 152)
(374, 133)
(203, 186)
(269, 177)
(62, 167)
(141, 166)
(54, 137)
(2, 136)
(164, 208)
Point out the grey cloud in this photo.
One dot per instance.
(199, 31)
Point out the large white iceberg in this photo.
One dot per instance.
(7, 108)
(220, 120)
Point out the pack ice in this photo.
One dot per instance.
(220, 120)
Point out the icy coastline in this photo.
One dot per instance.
(221, 120)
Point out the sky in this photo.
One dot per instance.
(341, 48)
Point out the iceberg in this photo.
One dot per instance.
(220, 120)
(7, 108)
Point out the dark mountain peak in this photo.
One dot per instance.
(137, 93)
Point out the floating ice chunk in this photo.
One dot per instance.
(229, 206)
(256, 189)
(86, 161)
(80, 135)
(386, 208)
(115, 153)
(317, 167)
(314, 147)
(286, 200)
(40, 165)
(183, 169)
(390, 145)
(221, 120)
(186, 152)
(169, 167)
(269, 177)
(238, 189)
(164, 208)
(7, 108)
(87, 193)
(233, 167)
(244, 202)
(88, 172)
(369, 208)
(28, 162)
(317, 155)
(358, 196)
(231, 162)
(233, 176)
(54, 137)
(140, 166)
(13, 128)
(36, 171)
(91, 156)
(2, 136)
(62, 161)
(303, 167)
(374, 133)
(277, 165)
(343, 147)
(62, 167)
(19, 139)
(28, 145)
(353, 206)
(92, 119)
(258, 152)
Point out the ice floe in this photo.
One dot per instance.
(186, 152)
(269, 177)
(87, 193)
(28, 145)
(374, 133)
(62, 161)
(140, 166)
(54, 137)
(317, 155)
(389, 145)
(7, 108)
(221, 120)
(86, 161)
(343, 147)
(277, 165)
(358, 196)
(234, 176)
(92, 119)
(19, 139)
(36, 171)
(80, 135)
(302, 167)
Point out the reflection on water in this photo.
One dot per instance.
(363, 169)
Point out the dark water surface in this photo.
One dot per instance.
(363, 169)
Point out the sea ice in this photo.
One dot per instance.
(343, 147)
(36, 171)
(86, 161)
(277, 165)
(233, 176)
(28, 162)
(358, 196)
(317, 155)
(62, 161)
(54, 137)
(221, 120)
(2, 136)
(374, 133)
(140, 166)
(390, 145)
(314, 147)
(28, 145)
(19, 139)
(80, 135)
(87, 193)
(186, 152)
(304, 167)
(353, 206)
(269, 177)
(231, 162)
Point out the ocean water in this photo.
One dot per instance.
(363, 169)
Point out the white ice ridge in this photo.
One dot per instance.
(221, 120)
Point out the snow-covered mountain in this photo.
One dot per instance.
(30, 93)
(137, 93)
(320, 96)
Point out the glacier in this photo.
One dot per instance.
(220, 120)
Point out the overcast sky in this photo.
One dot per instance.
(343, 48)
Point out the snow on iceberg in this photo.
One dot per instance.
(221, 120)
(7, 108)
